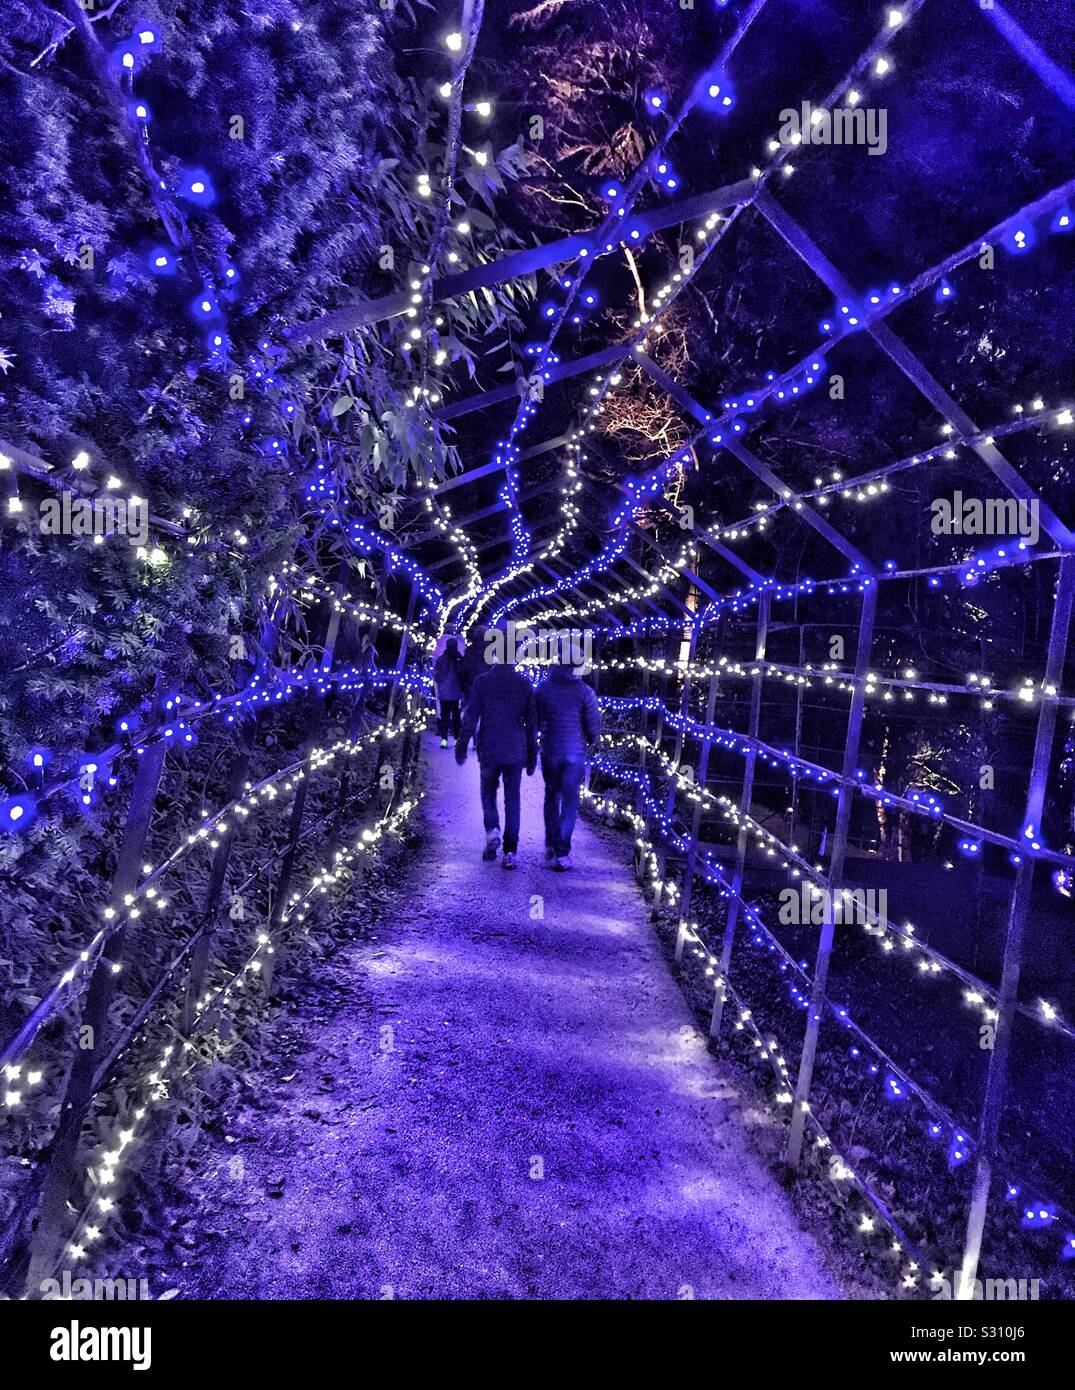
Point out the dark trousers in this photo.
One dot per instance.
(512, 774)
(448, 718)
(563, 778)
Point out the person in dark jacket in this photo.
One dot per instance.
(448, 678)
(501, 709)
(568, 721)
(474, 662)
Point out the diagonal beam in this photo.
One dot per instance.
(765, 474)
(1054, 77)
(517, 264)
(683, 569)
(901, 355)
(560, 372)
(710, 542)
(760, 469)
(470, 475)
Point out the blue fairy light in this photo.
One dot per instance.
(161, 261)
(197, 187)
(715, 92)
(1038, 1216)
(204, 306)
(17, 812)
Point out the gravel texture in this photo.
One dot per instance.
(503, 1096)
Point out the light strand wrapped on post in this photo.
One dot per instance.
(179, 1058)
(146, 894)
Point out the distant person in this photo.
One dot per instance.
(448, 679)
(501, 708)
(568, 721)
(474, 662)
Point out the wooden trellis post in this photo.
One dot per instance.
(698, 816)
(798, 738)
(61, 1179)
(732, 918)
(354, 726)
(658, 738)
(637, 644)
(399, 773)
(315, 724)
(684, 710)
(996, 1082)
(836, 869)
(199, 964)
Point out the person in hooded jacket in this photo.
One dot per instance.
(569, 721)
(448, 679)
(500, 716)
(474, 659)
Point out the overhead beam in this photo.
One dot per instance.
(471, 475)
(518, 263)
(684, 570)
(560, 372)
(901, 355)
(757, 466)
(711, 543)
(1054, 77)
(672, 388)
(765, 474)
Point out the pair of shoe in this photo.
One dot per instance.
(560, 862)
(492, 844)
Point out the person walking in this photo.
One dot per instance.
(447, 677)
(568, 721)
(500, 715)
(474, 663)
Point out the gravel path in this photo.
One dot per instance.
(504, 1096)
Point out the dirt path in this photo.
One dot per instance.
(490, 1102)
